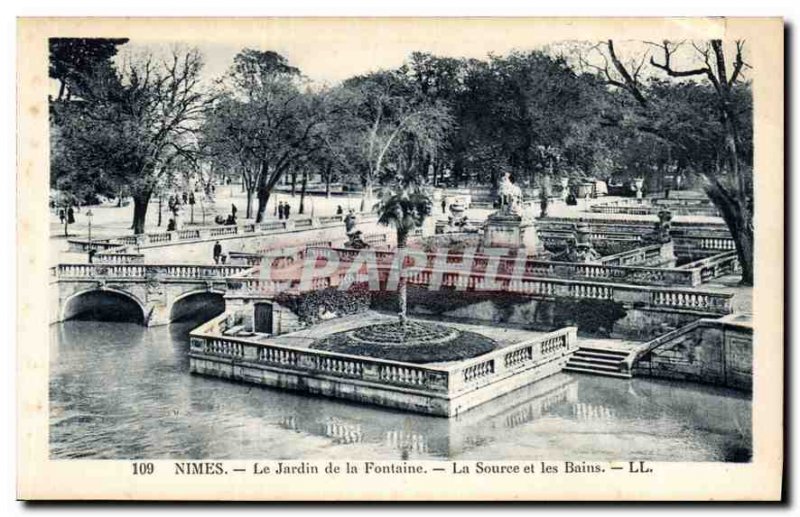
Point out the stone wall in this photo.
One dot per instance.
(711, 352)
(601, 318)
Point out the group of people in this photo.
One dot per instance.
(230, 220)
(284, 210)
(67, 215)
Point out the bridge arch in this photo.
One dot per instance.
(200, 304)
(105, 304)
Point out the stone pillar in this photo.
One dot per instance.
(156, 314)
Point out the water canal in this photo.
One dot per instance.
(123, 391)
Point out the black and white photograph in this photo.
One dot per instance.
(335, 248)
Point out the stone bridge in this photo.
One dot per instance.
(149, 294)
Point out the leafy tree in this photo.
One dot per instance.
(133, 126)
(405, 206)
(74, 60)
(513, 107)
(266, 120)
(391, 120)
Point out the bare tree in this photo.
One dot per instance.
(731, 188)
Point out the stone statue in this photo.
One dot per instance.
(510, 195)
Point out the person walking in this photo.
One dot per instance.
(70, 215)
(287, 209)
(233, 210)
(217, 252)
(61, 215)
(444, 205)
(339, 210)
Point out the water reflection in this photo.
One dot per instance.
(120, 390)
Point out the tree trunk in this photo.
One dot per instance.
(303, 184)
(294, 183)
(140, 203)
(402, 292)
(740, 223)
(263, 198)
(160, 198)
(249, 210)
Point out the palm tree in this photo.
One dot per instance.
(404, 206)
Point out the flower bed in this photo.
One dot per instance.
(412, 342)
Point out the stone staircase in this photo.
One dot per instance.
(598, 361)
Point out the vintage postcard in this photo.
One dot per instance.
(400, 259)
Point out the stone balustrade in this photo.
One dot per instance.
(706, 243)
(446, 380)
(142, 271)
(548, 269)
(689, 238)
(119, 258)
(375, 239)
(655, 298)
(639, 255)
(725, 263)
(201, 233)
(648, 207)
(95, 244)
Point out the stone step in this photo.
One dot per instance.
(593, 350)
(590, 371)
(597, 358)
(582, 363)
(599, 355)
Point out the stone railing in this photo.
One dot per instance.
(494, 366)
(444, 380)
(640, 255)
(201, 233)
(689, 238)
(328, 219)
(653, 206)
(687, 300)
(630, 207)
(119, 258)
(317, 362)
(136, 271)
(726, 263)
(95, 244)
(637, 226)
(705, 243)
(375, 239)
(638, 275)
(654, 298)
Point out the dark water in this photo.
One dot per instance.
(119, 390)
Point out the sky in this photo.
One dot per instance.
(329, 62)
